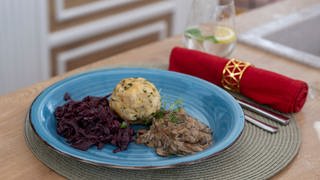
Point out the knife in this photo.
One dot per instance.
(284, 120)
(260, 124)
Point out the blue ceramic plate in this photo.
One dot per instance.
(202, 100)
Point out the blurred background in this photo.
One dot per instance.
(41, 39)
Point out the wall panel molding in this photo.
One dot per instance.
(110, 23)
(62, 59)
(103, 25)
(64, 14)
(82, 15)
(41, 38)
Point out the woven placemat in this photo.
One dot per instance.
(255, 155)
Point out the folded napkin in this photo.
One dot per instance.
(265, 87)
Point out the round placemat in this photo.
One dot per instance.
(257, 154)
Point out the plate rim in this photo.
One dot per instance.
(104, 164)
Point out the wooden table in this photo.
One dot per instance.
(17, 162)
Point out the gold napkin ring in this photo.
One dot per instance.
(232, 74)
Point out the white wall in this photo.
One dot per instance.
(21, 51)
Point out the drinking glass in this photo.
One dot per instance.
(211, 27)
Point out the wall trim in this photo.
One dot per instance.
(63, 57)
(63, 14)
(110, 23)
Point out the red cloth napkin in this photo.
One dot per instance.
(265, 87)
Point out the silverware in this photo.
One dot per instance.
(265, 112)
(260, 124)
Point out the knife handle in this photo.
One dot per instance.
(260, 124)
(265, 112)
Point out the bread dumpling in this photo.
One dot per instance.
(135, 99)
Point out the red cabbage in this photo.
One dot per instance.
(91, 122)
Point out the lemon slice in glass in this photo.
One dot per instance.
(224, 35)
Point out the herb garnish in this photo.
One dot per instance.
(123, 125)
(172, 111)
(127, 86)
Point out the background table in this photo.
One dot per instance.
(17, 162)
